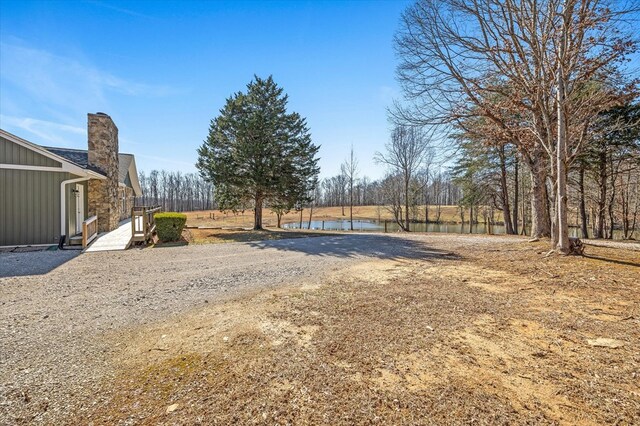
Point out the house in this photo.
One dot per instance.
(46, 193)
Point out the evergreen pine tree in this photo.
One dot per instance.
(257, 154)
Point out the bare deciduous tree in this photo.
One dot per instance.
(405, 155)
(350, 171)
(175, 191)
(535, 68)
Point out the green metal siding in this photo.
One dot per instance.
(30, 206)
(12, 153)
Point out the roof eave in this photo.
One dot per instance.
(133, 176)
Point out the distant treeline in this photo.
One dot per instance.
(437, 189)
(175, 191)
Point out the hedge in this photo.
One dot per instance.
(169, 225)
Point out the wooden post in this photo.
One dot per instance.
(385, 225)
(85, 234)
(133, 222)
(145, 226)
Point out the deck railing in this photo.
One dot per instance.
(143, 224)
(89, 230)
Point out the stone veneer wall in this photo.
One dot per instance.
(103, 154)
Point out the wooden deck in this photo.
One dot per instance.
(139, 228)
(143, 224)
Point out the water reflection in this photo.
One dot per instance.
(375, 226)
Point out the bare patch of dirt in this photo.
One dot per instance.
(497, 335)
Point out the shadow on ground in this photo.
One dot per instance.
(613, 260)
(208, 236)
(22, 263)
(358, 245)
(265, 235)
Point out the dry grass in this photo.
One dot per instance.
(245, 220)
(215, 236)
(483, 332)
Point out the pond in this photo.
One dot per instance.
(375, 226)
(369, 225)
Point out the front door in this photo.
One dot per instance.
(79, 208)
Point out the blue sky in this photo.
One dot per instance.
(163, 69)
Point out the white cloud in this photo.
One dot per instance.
(121, 10)
(64, 82)
(48, 132)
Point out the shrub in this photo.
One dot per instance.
(169, 225)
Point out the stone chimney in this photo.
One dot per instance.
(103, 156)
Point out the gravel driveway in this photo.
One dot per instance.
(54, 326)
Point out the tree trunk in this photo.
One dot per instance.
(561, 203)
(426, 209)
(471, 218)
(406, 204)
(561, 150)
(515, 195)
(540, 223)
(625, 204)
(524, 211)
(610, 210)
(310, 216)
(602, 196)
(551, 204)
(583, 208)
(257, 213)
(506, 209)
(351, 206)
(611, 221)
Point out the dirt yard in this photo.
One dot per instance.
(354, 329)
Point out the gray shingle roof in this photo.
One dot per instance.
(124, 161)
(80, 157)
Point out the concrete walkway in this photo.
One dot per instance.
(118, 239)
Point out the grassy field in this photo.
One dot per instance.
(216, 218)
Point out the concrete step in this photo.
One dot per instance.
(76, 240)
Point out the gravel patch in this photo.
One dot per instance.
(20, 263)
(55, 322)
